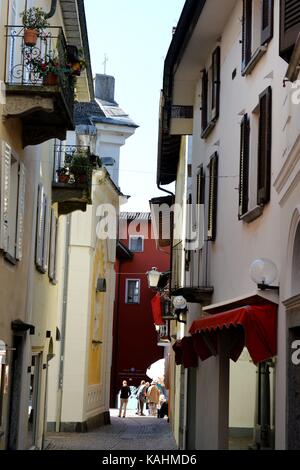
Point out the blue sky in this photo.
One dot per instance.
(135, 35)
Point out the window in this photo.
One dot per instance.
(211, 94)
(41, 249)
(212, 198)
(12, 205)
(53, 247)
(257, 31)
(289, 27)
(200, 200)
(136, 244)
(255, 159)
(133, 288)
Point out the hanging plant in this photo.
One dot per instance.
(34, 21)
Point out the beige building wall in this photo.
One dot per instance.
(27, 294)
(81, 400)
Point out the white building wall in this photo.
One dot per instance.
(238, 244)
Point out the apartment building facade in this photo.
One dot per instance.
(225, 84)
(34, 112)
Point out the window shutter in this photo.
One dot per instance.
(289, 27)
(212, 198)
(204, 108)
(267, 21)
(247, 32)
(264, 147)
(39, 228)
(216, 83)
(244, 166)
(53, 245)
(45, 235)
(200, 186)
(5, 191)
(21, 211)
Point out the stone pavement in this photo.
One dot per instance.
(130, 433)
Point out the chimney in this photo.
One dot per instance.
(105, 87)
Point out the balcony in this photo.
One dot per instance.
(163, 338)
(185, 264)
(43, 101)
(72, 177)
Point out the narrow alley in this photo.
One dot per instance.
(131, 433)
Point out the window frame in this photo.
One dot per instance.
(12, 215)
(249, 57)
(131, 237)
(211, 87)
(42, 236)
(127, 291)
(259, 195)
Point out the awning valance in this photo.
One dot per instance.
(253, 326)
(185, 353)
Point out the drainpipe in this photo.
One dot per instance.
(63, 324)
(52, 9)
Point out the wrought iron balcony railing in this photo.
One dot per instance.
(72, 177)
(73, 164)
(27, 66)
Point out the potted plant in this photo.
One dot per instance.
(48, 68)
(34, 20)
(79, 64)
(63, 175)
(81, 167)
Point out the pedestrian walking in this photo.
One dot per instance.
(141, 397)
(124, 395)
(153, 398)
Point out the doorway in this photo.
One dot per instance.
(33, 400)
(15, 392)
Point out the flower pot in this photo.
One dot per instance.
(30, 37)
(51, 79)
(62, 178)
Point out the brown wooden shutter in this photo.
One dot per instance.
(200, 198)
(264, 147)
(212, 198)
(216, 83)
(204, 109)
(244, 166)
(289, 26)
(247, 32)
(267, 21)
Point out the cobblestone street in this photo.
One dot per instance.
(130, 433)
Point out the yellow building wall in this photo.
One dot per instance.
(96, 318)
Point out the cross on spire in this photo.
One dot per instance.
(104, 63)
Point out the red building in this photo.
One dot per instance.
(134, 334)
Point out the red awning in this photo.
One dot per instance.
(157, 310)
(185, 353)
(253, 326)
